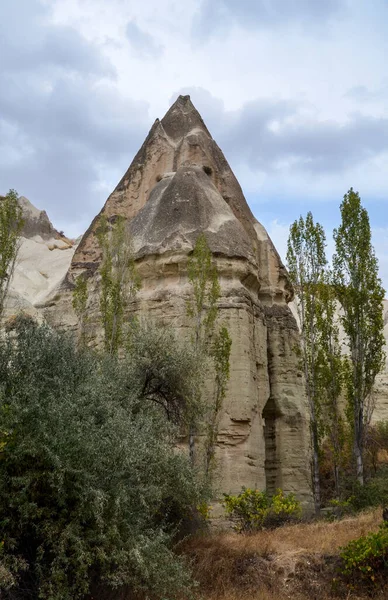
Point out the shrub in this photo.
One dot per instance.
(373, 493)
(366, 559)
(341, 508)
(376, 447)
(252, 509)
(91, 487)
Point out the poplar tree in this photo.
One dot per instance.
(307, 262)
(330, 377)
(360, 293)
(202, 308)
(11, 224)
(119, 279)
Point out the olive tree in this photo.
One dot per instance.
(91, 486)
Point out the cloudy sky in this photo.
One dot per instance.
(294, 91)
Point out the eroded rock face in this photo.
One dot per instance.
(43, 259)
(36, 222)
(178, 186)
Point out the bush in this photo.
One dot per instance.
(252, 510)
(341, 508)
(373, 493)
(366, 559)
(376, 447)
(91, 487)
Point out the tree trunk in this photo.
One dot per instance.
(358, 445)
(337, 481)
(359, 461)
(316, 481)
(192, 445)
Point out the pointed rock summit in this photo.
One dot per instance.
(178, 186)
(36, 222)
(184, 174)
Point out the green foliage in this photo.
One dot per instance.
(360, 293)
(80, 301)
(220, 352)
(372, 493)
(341, 508)
(202, 274)
(204, 510)
(203, 277)
(252, 510)
(306, 260)
(330, 379)
(11, 224)
(165, 371)
(91, 486)
(119, 279)
(376, 443)
(366, 559)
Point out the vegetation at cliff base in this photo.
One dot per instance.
(252, 510)
(339, 376)
(91, 487)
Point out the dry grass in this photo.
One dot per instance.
(296, 561)
(320, 537)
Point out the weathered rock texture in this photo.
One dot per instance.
(178, 186)
(43, 259)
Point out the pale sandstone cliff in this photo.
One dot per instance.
(179, 185)
(43, 259)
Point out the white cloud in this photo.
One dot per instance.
(297, 103)
(143, 44)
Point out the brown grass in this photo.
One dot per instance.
(296, 561)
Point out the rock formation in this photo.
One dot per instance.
(36, 222)
(43, 259)
(178, 186)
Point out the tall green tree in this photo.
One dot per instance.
(330, 377)
(209, 343)
(360, 293)
(11, 224)
(307, 262)
(119, 279)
